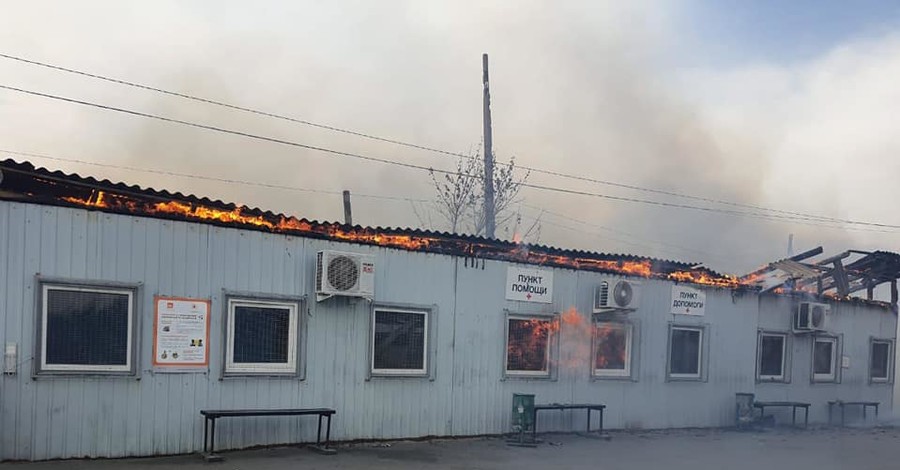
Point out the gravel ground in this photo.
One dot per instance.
(821, 449)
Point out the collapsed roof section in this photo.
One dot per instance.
(24, 182)
(836, 277)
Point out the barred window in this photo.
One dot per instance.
(262, 337)
(86, 329)
(400, 342)
(528, 345)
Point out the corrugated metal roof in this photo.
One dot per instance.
(24, 181)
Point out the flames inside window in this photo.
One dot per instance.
(612, 349)
(528, 346)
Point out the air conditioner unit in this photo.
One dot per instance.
(344, 274)
(617, 294)
(811, 316)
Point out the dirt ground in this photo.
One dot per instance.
(822, 449)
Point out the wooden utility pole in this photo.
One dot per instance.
(488, 209)
(348, 217)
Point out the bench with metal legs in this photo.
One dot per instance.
(210, 417)
(843, 404)
(560, 406)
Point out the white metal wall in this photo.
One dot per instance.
(856, 325)
(158, 413)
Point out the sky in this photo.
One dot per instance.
(776, 105)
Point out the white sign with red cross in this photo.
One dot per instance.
(529, 285)
(688, 301)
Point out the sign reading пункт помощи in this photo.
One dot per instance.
(688, 301)
(529, 285)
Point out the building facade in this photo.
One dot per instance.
(438, 351)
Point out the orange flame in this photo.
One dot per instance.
(700, 277)
(530, 339)
(240, 216)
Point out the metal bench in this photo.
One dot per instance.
(210, 416)
(560, 406)
(762, 405)
(842, 404)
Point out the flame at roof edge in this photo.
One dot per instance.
(25, 182)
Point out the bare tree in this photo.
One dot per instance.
(506, 193)
(456, 192)
(460, 196)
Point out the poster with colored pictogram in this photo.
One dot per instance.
(181, 333)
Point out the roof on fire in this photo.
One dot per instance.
(23, 182)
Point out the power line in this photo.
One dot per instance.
(207, 178)
(652, 242)
(797, 219)
(235, 107)
(416, 146)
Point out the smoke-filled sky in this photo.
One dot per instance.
(781, 106)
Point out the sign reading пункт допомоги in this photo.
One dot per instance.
(529, 285)
(688, 301)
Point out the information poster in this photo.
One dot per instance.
(181, 333)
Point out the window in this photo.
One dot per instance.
(880, 364)
(262, 337)
(528, 341)
(824, 359)
(400, 342)
(771, 357)
(86, 329)
(685, 352)
(612, 349)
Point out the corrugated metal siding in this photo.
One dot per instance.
(857, 325)
(157, 413)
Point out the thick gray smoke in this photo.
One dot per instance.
(582, 88)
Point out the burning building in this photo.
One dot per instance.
(126, 310)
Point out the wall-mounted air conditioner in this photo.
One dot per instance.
(344, 274)
(617, 294)
(811, 316)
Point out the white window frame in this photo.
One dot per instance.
(700, 347)
(45, 367)
(890, 360)
(628, 328)
(262, 368)
(547, 350)
(831, 376)
(423, 371)
(784, 342)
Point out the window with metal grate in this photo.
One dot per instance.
(400, 342)
(86, 329)
(262, 337)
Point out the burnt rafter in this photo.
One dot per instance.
(836, 276)
(25, 183)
